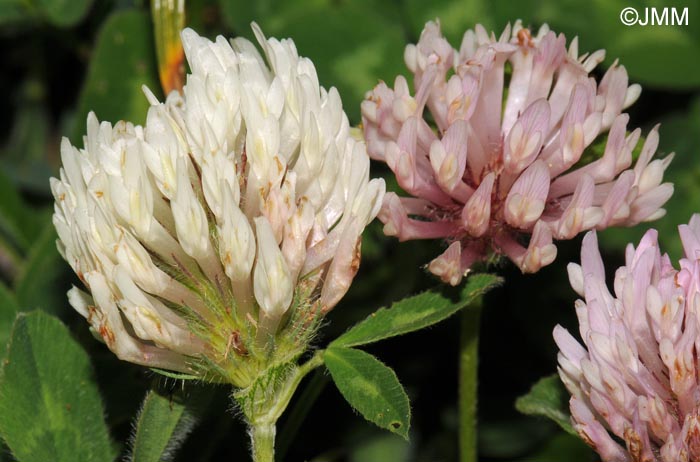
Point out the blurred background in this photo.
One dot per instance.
(61, 59)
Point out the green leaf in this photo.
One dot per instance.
(415, 312)
(38, 284)
(548, 398)
(363, 40)
(50, 408)
(370, 387)
(63, 13)
(123, 60)
(162, 426)
(8, 310)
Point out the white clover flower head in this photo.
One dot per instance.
(212, 239)
(503, 170)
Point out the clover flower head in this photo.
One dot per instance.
(635, 377)
(215, 237)
(502, 171)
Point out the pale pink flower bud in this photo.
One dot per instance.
(476, 214)
(448, 266)
(526, 137)
(633, 378)
(502, 171)
(526, 199)
(295, 235)
(579, 214)
(214, 239)
(448, 158)
(343, 267)
(540, 251)
(279, 205)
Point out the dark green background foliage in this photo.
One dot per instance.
(62, 58)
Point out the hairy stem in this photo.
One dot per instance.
(265, 400)
(262, 437)
(468, 367)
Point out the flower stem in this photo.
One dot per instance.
(468, 380)
(262, 436)
(264, 401)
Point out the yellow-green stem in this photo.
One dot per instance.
(264, 401)
(262, 437)
(468, 381)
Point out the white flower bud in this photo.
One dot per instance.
(236, 239)
(272, 282)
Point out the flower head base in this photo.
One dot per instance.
(214, 238)
(636, 375)
(495, 172)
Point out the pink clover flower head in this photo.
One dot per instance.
(635, 392)
(501, 169)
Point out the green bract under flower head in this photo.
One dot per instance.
(213, 239)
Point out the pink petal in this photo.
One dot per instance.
(594, 434)
(647, 207)
(591, 261)
(397, 223)
(447, 266)
(476, 214)
(579, 215)
(615, 207)
(525, 139)
(549, 55)
(569, 346)
(526, 199)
